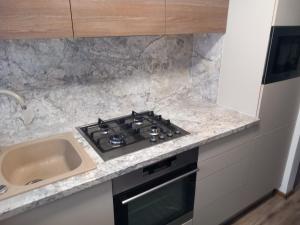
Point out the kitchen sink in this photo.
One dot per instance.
(30, 165)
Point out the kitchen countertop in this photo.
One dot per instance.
(204, 121)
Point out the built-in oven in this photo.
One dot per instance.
(283, 59)
(159, 194)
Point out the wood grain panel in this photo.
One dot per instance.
(35, 19)
(194, 16)
(118, 17)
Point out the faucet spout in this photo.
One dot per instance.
(19, 98)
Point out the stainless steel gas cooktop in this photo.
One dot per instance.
(130, 133)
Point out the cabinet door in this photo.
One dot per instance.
(220, 184)
(93, 206)
(279, 104)
(268, 161)
(35, 19)
(118, 17)
(194, 16)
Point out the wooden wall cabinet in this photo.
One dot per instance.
(98, 18)
(196, 16)
(35, 19)
(93, 18)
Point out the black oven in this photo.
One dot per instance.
(283, 59)
(159, 194)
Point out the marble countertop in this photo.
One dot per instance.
(205, 122)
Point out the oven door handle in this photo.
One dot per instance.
(124, 202)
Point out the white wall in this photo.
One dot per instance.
(245, 49)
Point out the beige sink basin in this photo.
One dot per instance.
(30, 165)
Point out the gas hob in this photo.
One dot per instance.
(123, 135)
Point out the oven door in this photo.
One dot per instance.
(165, 200)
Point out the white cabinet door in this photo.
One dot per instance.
(279, 104)
(287, 13)
(268, 161)
(93, 206)
(220, 195)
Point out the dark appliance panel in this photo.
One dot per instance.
(159, 194)
(283, 59)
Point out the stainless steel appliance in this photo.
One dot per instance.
(130, 133)
(159, 194)
(283, 59)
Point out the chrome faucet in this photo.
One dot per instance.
(19, 98)
(27, 115)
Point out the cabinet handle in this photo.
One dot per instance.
(159, 186)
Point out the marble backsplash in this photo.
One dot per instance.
(69, 82)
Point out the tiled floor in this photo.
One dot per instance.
(275, 211)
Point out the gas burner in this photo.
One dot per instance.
(116, 140)
(154, 130)
(138, 120)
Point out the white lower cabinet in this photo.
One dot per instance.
(221, 194)
(93, 206)
(233, 179)
(268, 161)
(222, 209)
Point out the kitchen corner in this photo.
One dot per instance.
(149, 112)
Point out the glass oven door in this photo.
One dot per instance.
(166, 200)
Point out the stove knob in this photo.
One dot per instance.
(162, 137)
(170, 134)
(153, 139)
(177, 131)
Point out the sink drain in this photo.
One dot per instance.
(33, 181)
